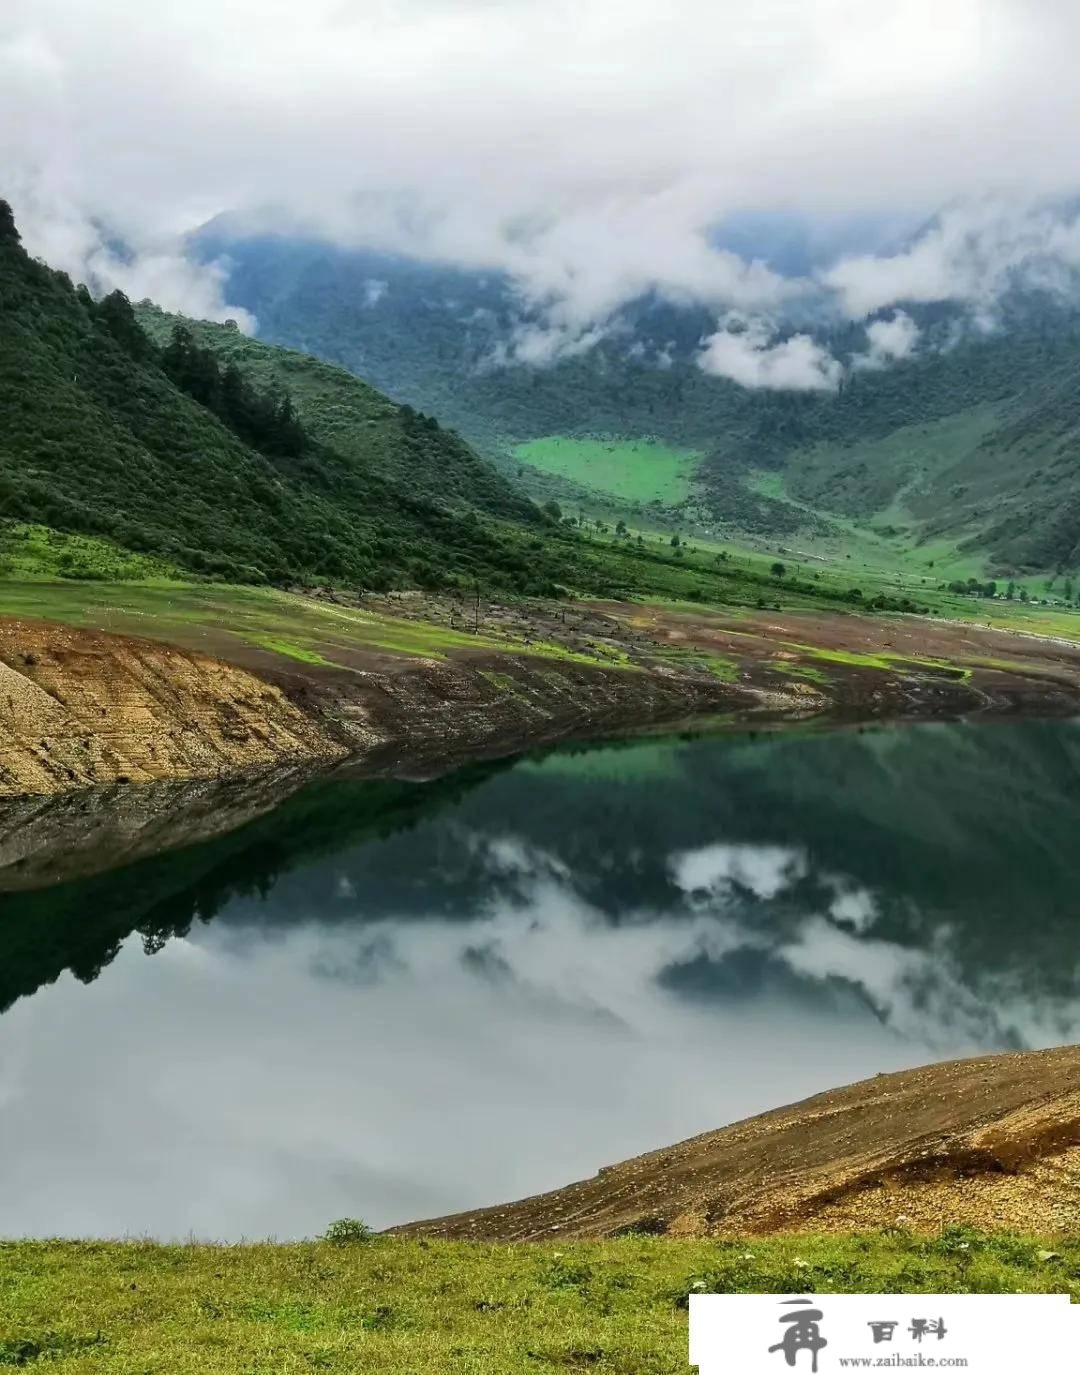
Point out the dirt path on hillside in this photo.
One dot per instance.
(992, 1142)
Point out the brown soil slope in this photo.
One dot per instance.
(991, 1142)
(78, 707)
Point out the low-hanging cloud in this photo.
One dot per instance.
(56, 221)
(889, 341)
(748, 352)
(62, 235)
(972, 254)
(586, 149)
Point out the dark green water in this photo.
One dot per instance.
(392, 1000)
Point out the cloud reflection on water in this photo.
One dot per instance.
(289, 1065)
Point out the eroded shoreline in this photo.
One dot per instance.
(83, 708)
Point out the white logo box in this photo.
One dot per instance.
(983, 1334)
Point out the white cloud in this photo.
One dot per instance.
(764, 869)
(889, 342)
(971, 253)
(539, 346)
(587, 147)
(374, 291)
(743, 350)
(41, 177)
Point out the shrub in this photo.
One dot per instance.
(347, 1231)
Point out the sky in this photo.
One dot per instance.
(587, 147)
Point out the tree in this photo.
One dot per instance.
(552, 509)
(778, 570)
(118, 317)
(8, 231)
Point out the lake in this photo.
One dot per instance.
(391, 1000)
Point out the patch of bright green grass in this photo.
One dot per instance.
(885, 662)
(30, 552)
(727, 670)
(397, 1307)
(806, 672)
(290, 651)
(635, 470)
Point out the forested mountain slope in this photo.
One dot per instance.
(165, 451)
(360, 424)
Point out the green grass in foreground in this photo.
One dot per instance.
(395, 1307)
(633, 469)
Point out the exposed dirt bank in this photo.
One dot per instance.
(992, 1142)
(80, 707)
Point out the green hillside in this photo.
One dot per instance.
(360, 424)
(1001, 480)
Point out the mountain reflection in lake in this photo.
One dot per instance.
(394, 1000)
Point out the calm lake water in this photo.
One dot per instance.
(393, 1000)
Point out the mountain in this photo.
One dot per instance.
(997, 470)
(216, 468)
(409, 450)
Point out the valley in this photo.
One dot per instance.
(301, 693)
(539, 687)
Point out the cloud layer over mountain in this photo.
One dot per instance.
(588, 148)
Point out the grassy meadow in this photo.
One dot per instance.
(391, 1306)
(634, 470)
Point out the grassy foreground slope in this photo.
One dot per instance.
(392, 1307)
